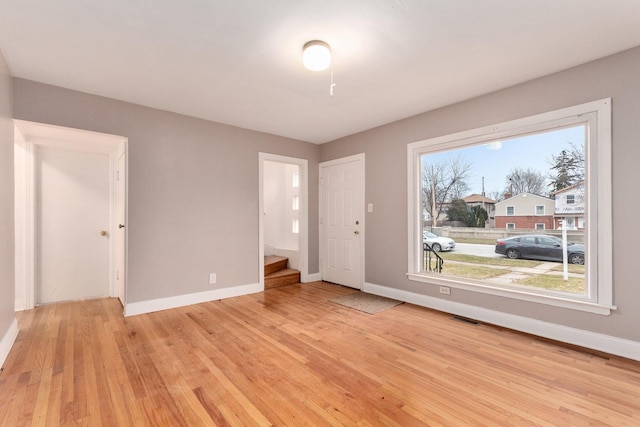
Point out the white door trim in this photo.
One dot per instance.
(121, 204)
(27, 136)
(303, 242)
(354, 158)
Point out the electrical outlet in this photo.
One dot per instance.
(212, 278)
(445, 290)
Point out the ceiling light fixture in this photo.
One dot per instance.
(316, 55)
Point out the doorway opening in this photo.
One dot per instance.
(70, 210)
(283, 212)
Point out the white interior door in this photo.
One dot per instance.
(342, 221)
(72, 223)
(120, 230)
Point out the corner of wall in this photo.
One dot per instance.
(7, 341)
(8, 323)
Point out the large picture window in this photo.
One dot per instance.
(519, 209)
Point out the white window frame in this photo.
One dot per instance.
(543, 210)
(598, 297)
(506, 211)
(571, 197)
(539, 228)
(510, 226)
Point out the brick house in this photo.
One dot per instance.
(525, 211)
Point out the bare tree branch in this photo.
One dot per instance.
(443, 182)
(529, 180)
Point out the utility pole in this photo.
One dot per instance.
(483, 193)
(434, 221)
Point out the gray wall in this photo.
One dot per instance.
(193, 186)
(193, 189)
(7, 286)
(617, 76)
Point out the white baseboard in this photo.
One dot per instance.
(142, 307)
(313, 277)
(593, 340)
(7, 341)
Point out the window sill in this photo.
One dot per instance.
(519, 294)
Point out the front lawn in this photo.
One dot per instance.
(475, 259)
(573, 268)
(575, 285)
(471, 271)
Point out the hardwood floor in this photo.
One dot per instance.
(288, 357)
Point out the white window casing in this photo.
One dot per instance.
(598, 297)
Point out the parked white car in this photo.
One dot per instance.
(438, 243)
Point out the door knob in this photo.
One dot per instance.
(120, 225)
(356, 232)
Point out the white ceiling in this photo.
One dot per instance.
(239, 62)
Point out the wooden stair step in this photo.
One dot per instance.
(283, 277)
(273, 263)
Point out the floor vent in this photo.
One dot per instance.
(465, 320)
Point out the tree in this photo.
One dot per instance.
(477, 216)
(458, 211)
(442, 182)
(567, 168)
(496, 195)
(470, 216)
(528, 180)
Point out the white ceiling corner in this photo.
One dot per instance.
(240, 63)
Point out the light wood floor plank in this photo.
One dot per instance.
(288, 356)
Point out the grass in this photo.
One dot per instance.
(474, 259)
(471, 271)
(478, 267)
(575, 285)
(573, 268)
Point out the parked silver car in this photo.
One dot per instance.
(438, 243)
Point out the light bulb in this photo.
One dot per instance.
(316, 55)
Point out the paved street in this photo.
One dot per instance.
(487, 251)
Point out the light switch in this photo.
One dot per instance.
(370, 207)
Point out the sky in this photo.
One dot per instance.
(495, 160)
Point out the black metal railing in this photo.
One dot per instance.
(431, 260)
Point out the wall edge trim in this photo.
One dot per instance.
(150, 306)
(8, 340)
(593, 340)
(313, 277)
